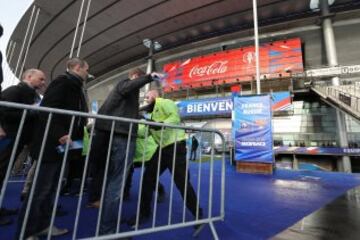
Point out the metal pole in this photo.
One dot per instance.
(76, 29)
(28, 43)
(256, 39)
(83, 28)
(330, 47)
(150, 65)
(9, 55)
(23, 44)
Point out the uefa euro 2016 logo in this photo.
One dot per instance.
(249, 58)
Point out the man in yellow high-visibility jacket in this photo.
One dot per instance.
(166, 111)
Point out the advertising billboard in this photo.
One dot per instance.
(252, 129)
(236, 65)
(280, 101)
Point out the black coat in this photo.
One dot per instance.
(1, 72)
(10, 117)
(123, 101)
(64, 92)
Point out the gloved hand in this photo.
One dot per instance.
(157, 76)
(154, 127)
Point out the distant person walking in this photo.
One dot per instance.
(194, 147)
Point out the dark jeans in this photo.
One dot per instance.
(161, 189)
(43, 200)
(97, 160)
(115, 181)
(149, 180)
(76, 164)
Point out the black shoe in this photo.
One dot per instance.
(8, 211)
(142, 219)
(5, 221)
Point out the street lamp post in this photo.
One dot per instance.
(152, 46)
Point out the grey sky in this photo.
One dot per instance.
(11, 12)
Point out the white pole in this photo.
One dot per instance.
(28, 44)
(77, 29)
(83, 28)
(10, 59)
(256, 39)
(23, 44)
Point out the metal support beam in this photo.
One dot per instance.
(23, 43)
(28, 43)
(76, 29)
(330, 47)
(256, 39)
(150, 62)
(83, 28)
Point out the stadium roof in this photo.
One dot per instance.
(116, 28)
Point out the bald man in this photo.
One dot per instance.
(25, 93)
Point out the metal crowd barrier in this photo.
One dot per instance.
(208, 179)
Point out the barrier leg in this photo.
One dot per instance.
(197, 231)
(213, 231)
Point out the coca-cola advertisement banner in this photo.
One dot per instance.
(238, 65)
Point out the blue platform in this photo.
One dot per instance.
(257, 206)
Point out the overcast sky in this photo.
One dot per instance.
(10, 14)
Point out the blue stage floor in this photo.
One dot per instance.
(257, 206)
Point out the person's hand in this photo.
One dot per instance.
(64, 139)
(157, 76)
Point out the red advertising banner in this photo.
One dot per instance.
(238, 65)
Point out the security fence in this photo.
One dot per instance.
(201, 183)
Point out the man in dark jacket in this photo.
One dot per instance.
(194, 147)
(25, 93)
(123, 101)
(64, 92)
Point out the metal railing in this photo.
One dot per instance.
(209, 181)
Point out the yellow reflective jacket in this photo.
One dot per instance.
(166, 111)
(145, 145)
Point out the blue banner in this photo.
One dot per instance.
(281, 101)
(252, 129)
(205, 107)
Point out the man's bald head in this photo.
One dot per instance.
(151, 96)
(35, 78)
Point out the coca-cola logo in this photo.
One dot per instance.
(217, 67)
